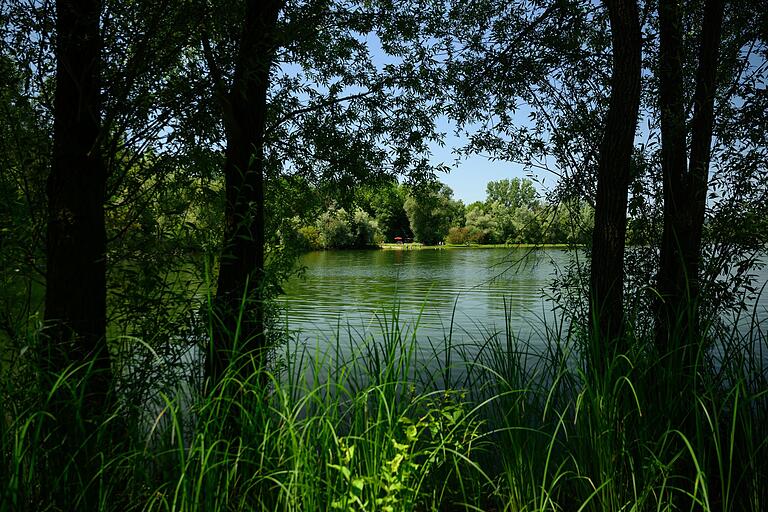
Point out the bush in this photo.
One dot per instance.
(458, 236)
(365, 229)
(481, 236)
(309, 238)
(335, 229)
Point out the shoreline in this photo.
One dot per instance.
(415, 246)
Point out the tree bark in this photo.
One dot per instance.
(74, 340)
(614, 174)
(239, 324)
(685, 182)
(672, 281)
(678, 340)
(75, 296)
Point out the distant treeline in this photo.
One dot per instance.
(512, 213)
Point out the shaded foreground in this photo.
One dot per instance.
(487, 426)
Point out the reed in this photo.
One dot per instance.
(386, 422)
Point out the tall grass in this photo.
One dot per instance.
(391, 423)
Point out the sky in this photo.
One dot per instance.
(469, 177)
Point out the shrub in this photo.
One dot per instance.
(458, 236)
(308, 238)
(365, 229)
(335, 229)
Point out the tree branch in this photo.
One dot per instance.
(313, 108)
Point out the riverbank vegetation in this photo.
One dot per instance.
(413, 246)
(163, 163)
(367, 424)
(511, 214)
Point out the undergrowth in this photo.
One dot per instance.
(394, 423)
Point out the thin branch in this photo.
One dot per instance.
(491, 64)
(313, 108)
(210, 60)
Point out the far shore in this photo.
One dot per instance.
(416, 246)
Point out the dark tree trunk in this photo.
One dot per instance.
(75, 297)
(74, 340)
(672, 281)
(239, 324)
(685, 190)
(614, 173)
(685, 182)
(701, 130)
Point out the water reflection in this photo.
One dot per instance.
(469, 289)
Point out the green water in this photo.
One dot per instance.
(474, 291)
(468, 293)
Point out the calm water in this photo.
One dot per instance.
(357, 290)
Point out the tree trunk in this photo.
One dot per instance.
(672, 280)
(685, 183)
(239, 324)
(701, 133)
(74, 340)
(614, 173)
(75, 296)
(678, 339)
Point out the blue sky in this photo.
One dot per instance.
(469, 177)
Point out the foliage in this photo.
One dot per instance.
(440, 218)
(514, 193)
(365, 229)
(525, 219)
(419, 447)
(485, 225)
(23, 146)
(457, 236)
(310, 238)
(364, 430)
(432, 211)
(387, 204)
(337, 229)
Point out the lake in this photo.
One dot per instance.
(474, 290)
(354, 293)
